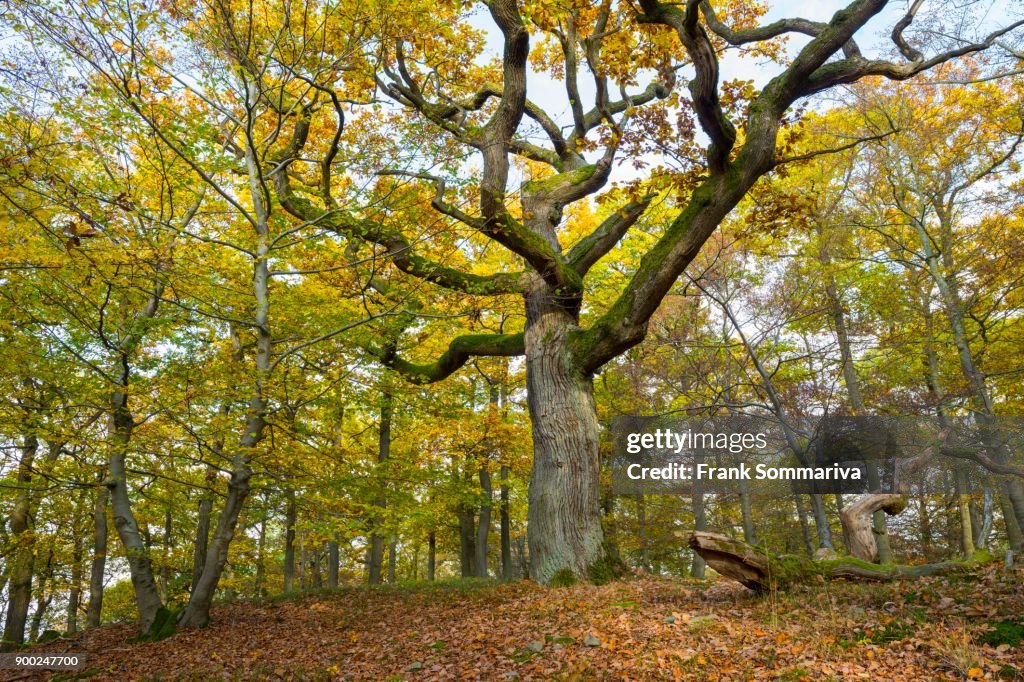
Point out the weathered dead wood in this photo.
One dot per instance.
(857, 522)
(753, 568)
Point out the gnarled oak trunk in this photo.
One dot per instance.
(564, 530)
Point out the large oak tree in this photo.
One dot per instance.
(738, 138)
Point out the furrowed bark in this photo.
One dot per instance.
(564, 513)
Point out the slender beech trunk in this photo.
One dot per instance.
(20, 587)
(467, 540)
(975, 515)
(375, 561)
(43, 599)
(75, 592)
(202, 540)
(700, 523)
(821, 524)
(332, 563)
(838, 314)
(964, 503)
(98, 568)
(483, 528)
(505, 524)
(261, 545)
(564, 512)
(197, 612)
(392, 561)
(289, 541)
(317, 578)
(641, 519)
(805, 530)
(987, 518)
(956, 312)
(140, 566)
(924, 518)
(431, 555)
(165, 568)
(746, 509)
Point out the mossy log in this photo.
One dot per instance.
(760, 571)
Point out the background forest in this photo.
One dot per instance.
(262, 276)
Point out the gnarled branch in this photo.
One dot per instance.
(460, 350)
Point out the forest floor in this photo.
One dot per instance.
(967, 627)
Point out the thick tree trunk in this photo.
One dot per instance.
(98, 568)
(745, 564)
(859, 526)
(564, 512)
(20, 587)
(878, 522)
(1014, 490)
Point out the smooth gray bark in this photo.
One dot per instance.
(197, 612)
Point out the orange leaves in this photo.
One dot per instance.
(452, 633)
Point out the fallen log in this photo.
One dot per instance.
(760, 571)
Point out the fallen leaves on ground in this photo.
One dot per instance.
(643, 628)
